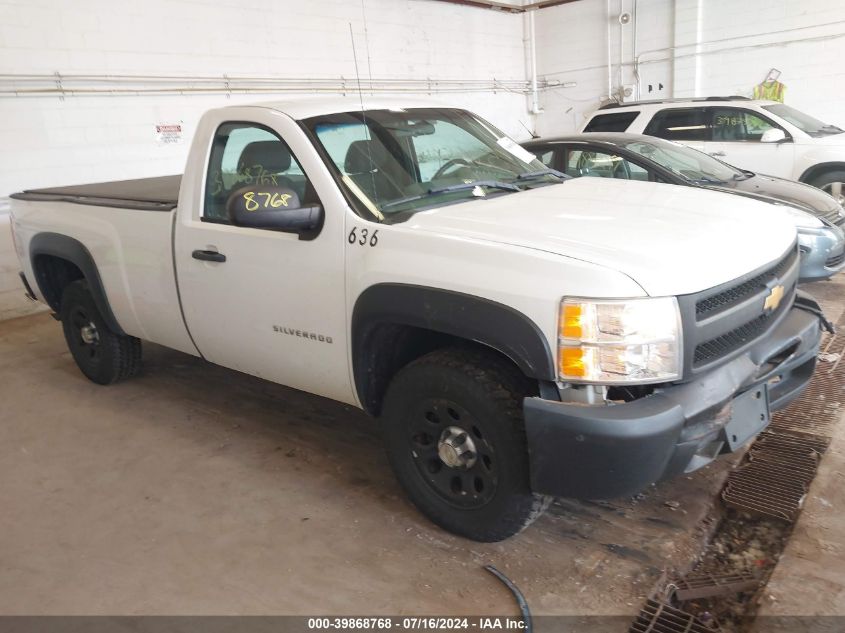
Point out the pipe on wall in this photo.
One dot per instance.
(60, 85)
(532, 43)
(609, 58)
(620, 76)
(634, 46)
(670, 53)
(508, 8)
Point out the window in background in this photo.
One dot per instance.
(612, 122)
(687, 124)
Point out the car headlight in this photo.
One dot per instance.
(619, 341)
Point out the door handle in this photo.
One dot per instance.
(209, 256)
(717, 153)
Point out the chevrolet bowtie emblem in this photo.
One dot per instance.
(773, 299)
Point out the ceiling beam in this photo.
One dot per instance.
(506, 7)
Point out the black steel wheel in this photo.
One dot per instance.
(454, 434)
(104, 356)
(451, 452)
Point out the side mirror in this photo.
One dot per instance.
(773, 135)
(271, 207)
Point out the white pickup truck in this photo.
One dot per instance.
(519, 334)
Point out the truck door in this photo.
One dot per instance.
(262, 301)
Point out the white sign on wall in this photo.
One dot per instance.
(168, 133)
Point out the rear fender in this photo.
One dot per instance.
(73, 251)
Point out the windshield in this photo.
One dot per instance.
(685, 161)
(803, 122)
(400, 161)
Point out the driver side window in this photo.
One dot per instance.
(732, 124)
(591, 163)
(248, 154)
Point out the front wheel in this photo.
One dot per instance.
(832, 182)
(104, 356)
(454, 433)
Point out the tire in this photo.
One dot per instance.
(104, 356)
(832, 182)
(466, 403)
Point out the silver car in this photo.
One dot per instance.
(818, 217)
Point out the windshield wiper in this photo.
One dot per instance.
(709, 181)
(831, 129)
(493, 184)
(543, 172)
(461, 186)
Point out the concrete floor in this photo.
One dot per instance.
(198, 490)
(809, 579)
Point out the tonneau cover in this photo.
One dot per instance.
(146, 194)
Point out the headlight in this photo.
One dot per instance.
(619, 340)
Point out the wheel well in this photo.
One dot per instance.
(389, 347)
(53, 274)
(58, 260)
(817, 170)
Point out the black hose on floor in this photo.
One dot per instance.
(520, 599)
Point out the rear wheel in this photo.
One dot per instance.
(832, 182)
(104, 356)
(454, 434)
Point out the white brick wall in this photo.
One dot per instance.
(49, 141)
(81, 139)
(720, 47)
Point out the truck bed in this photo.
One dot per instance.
(143, 194)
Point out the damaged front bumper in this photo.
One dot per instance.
(597, 452)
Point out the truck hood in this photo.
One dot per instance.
(671, 240)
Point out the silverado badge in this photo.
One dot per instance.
(773, 299)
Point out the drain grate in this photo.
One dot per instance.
(800, 455)
(800, 445)
(657, 617)
(696, 586)
(817, 410)
(772, 482)
(773, 490)
(782, 461)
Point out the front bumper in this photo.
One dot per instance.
(611, 451)
(822, 254)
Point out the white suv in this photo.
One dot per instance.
(763, 136)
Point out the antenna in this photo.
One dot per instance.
(367, 46)
(533, 134)
(372, 206)
(357, 74)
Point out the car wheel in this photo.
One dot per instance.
(104, 356)
(454, 434)
(832, 182)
